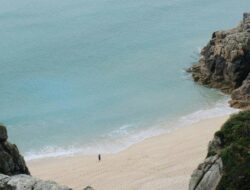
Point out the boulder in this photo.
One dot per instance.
(26, 182)
(208, 174)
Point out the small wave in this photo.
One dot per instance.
(130, 134)
(52, 151)
(115, 142)
(219, 110)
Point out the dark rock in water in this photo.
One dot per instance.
(11, 162)
(225, 62)
(26, 182)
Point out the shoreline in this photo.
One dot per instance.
(120, 143)
(167, 159)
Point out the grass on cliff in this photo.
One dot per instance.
(235, 152)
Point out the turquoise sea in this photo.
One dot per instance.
(95, 76)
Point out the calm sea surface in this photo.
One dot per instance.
(98, 75)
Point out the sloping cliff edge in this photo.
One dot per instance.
(227, 165)
(225, 63)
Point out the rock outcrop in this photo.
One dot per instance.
(11, 162)
(208, 174)
(241, 95)
(26, 182)
(227, 165)
(225, 63)
(15, 175)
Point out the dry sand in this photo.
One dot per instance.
(162, 162)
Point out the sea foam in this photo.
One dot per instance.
(127, 135)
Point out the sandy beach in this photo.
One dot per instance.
(162, 162)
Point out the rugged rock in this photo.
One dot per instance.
(26, 182)
(11, 162)
(227, 165)
(241, 96)
(208, 174)
(225, 63)
(13, 169)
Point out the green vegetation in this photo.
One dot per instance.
(235, 152)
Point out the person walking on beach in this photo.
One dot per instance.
(99, 157)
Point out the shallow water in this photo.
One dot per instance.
(78, 75)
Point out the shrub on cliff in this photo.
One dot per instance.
(235, 152)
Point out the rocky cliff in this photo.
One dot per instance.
(225, 63)
(14, 173)
(227, 165)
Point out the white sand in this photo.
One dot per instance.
(162, 162)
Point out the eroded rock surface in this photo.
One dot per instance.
(26, 182)
(208, 174)
(225, 63)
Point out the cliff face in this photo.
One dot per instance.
(208, 174)
(227, 165)
(225, 63)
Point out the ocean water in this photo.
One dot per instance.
(95, 76)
